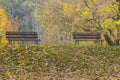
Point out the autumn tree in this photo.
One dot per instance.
(3, 24)
(49, 16)
(117, 18)
(80, 15)
(20, 12)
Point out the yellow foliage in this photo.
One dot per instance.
(106, 10)
(8, 74)
(3, 25)
(108, 23)
(68, 9)
(117, 22)
(86, 13)
(3, 19)
(4, 41)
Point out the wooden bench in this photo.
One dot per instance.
(22, 36)
(87, 36)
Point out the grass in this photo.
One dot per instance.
(59, 62)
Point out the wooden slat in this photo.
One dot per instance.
(86, 34)
(21, 33)
(22, 39)
(21, 36)
(86, 37)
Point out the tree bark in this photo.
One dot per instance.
(108, 39)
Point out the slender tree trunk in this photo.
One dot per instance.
(108, 39)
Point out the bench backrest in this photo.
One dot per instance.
(21, 36)
(86, 35)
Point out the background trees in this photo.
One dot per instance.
(21, 14)
(67, 16)
(57, 19)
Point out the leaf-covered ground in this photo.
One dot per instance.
(59, 62)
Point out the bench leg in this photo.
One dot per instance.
(36, 42)
(76, 42)
(10, 42)
(101, 42)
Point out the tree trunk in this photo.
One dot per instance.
(108, 39)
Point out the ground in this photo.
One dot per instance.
(59, 62)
